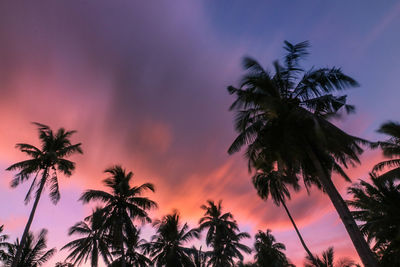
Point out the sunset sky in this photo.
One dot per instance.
(144, 84)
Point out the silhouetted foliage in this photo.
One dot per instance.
(124, 204)
(64, 264)
(94, 241)
(276, 184)
(377, 208)
(282, 118)
(222, 235)
(199, 257)
(3, 243)
(44, 164)
(166, 246)
(391, 150)
(34, 251)
(133, 255)
(328, 260)
(268, 252)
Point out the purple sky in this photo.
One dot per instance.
(145, 86)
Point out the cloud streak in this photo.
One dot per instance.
(144, 85)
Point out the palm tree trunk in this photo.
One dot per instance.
(28, 224)
(123, 261)
(310, 255)
(363, 250)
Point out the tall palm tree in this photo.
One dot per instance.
(328, 260)
(391, 149)
(376, 208)
(275, 184)
(34, 252)
(222, 235)
(94, 241)
(133, 254)
(268, 252)
(122, 205)
(167, 245)
(283, 119)
(3, 243)
(43, 166)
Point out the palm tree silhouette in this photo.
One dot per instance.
(283, 119)
(34, 251)
(328, 260)
(167, 245)
(122, 205)
(44, 162)
(376, 207)
(222, 235)
(275, 184)
(3, 243)
(199, 257)
(94, 241)
(133, 255)
(391, 149)
(268, 252)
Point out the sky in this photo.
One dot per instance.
(144, 84)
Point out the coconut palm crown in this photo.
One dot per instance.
(34, 253)
(167, 245)
(391, 150)
(43, 166)
(283, 119)
(276, 185)
(94, 241)
(222, 235)
(377, 210)
(327, 259)
(268, 252)
(122, 205)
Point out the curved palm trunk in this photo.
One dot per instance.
(298, 234)
(28, 224)
(363, 250)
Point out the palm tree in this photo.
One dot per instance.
(167, 245)
(133, 256)
(275, 184)
(283, 119)
(3, 243)
(268, 251)
(391, 149)
(95, 241)
(44, 162)
(328, 260)
(122, 205)
(377, 209)
(231, 249)
(199, 257)
(34, 252)
(222, 235)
